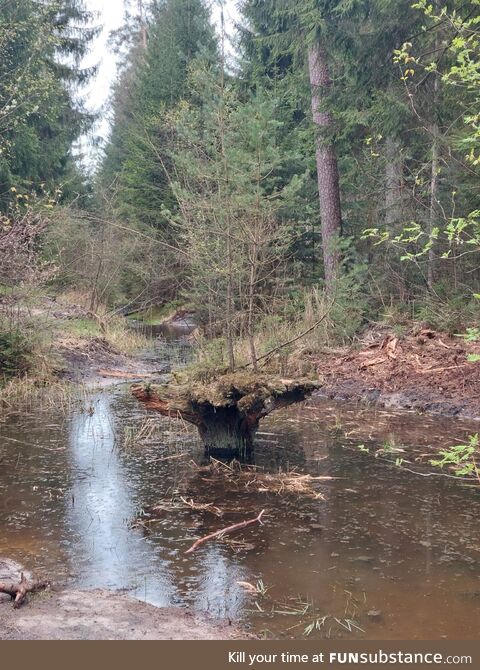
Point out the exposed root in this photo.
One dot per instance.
(18, 590)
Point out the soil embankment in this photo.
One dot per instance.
(422, 370)
(86, 348)
(96, 361)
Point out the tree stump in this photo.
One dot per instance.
(228, 410)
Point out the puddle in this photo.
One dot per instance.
(386, 554)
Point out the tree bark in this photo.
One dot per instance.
(393, 183)
(432, 219)
(229, 306)
(143, 25)
(433, 209)
(327, 167)
(251, 307)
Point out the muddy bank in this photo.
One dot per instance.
(184, 318)
(106, 615)
(95, 361)
(100, 614)
(422, 370)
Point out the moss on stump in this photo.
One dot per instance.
(226, 411)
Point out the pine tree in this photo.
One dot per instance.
(41, 46)
(154, 80)
(229, 200)
(295, 35)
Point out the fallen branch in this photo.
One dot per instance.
(122, 374)
(376, 361)
(223, 531)
(18, 591)
(449, 367)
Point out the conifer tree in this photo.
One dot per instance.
(41, 47)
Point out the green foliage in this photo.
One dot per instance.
(230, 197)
(471, 335)
(15, 352)
(136, 172)
(447, 310)
(210, 363)
(40, 47)
(460, 458)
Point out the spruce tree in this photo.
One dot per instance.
(41, 46)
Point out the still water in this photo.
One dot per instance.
(385, 554)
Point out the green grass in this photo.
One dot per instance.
(81, 327)
(5, 290)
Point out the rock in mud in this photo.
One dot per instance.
(374, 614)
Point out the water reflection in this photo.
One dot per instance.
(104, 550)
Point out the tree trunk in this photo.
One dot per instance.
(251, 307)
(393, 184)
(229, 298)
(228, 410)
(327, 168)
(433, 209)
(143, 25)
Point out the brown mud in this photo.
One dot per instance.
(107, 615)
(94, 361)
(422, 370)
(101, 614)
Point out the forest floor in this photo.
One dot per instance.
(422, 370)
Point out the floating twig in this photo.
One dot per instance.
(224, 531)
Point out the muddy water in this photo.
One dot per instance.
(386, 554)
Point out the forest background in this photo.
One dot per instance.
(316, 178)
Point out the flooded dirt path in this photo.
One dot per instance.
(385, 554)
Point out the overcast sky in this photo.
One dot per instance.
(110, 14)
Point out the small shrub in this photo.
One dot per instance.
(15, 352)
(452, 315)
(210, 362)
(461, 458)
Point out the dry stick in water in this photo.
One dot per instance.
(223, 531)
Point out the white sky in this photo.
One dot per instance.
(110, 15)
